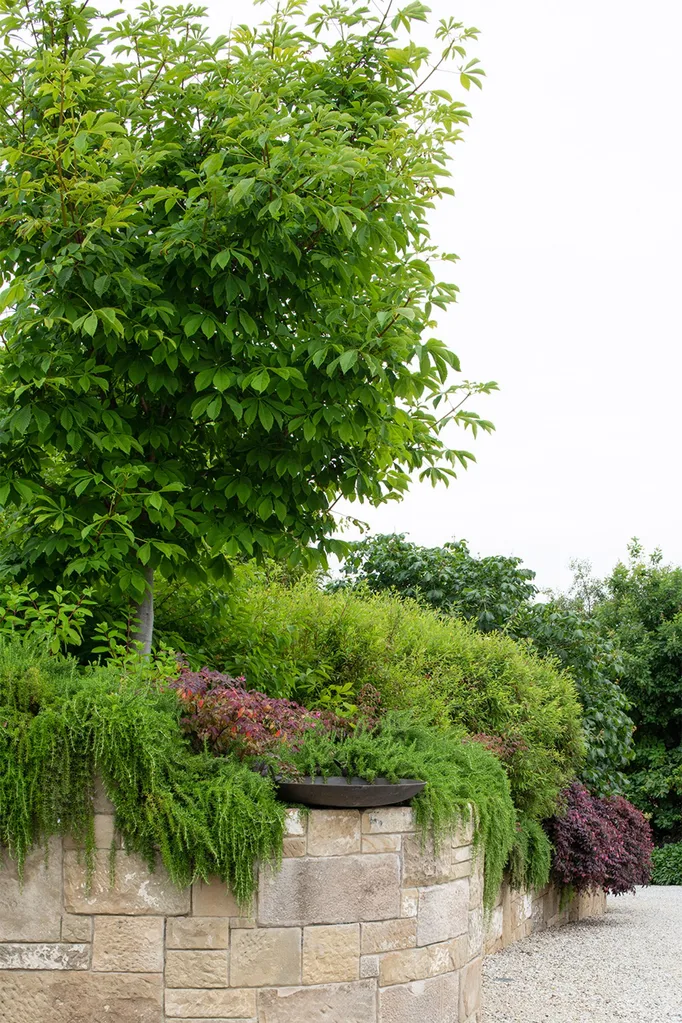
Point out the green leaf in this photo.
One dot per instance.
(213, 410)
(265, 415)
(247, 322)
(260, 381)
(20, 421)
(348, 359)
(90, 324)
(204, 379)
(222, 379)
(241, 190)
(212, 164)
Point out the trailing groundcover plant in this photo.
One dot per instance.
(219, 283)
(205, 815)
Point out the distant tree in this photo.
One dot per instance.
(643, 609)
(488, 591)
(219, 283)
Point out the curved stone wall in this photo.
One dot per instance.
(361, 925)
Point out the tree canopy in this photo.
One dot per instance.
(219, 283)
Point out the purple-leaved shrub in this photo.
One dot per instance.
(600, 843)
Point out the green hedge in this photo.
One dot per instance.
(667, 862)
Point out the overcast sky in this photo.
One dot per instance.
(568, 221)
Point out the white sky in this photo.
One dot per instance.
(567, 221)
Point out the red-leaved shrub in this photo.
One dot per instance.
(219, 711)
(504, 747)
(600, 843)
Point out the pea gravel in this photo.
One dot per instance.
(627, 966)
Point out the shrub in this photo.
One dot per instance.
(458, 776)
(667, 864)
(220, 712)
(292, 640)
(205, 815)
(600, 843)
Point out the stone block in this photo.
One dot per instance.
(128, 943)
(196, 968)
(423, 864)
(209, 1004)
(294, 847)
(32, 911)
(77, 929)
(470, 983)
(476, 882)
(369, 966)
(330, 1003)
(461, 869)
(105, 833)
(464, 833)
(339, 889)
(409, 902)
(62, 956)
(177, 1019)
(56, 996)
(443, 912)
(388, 820)
(214, 899)
(265, 957)
(389, 935)
(459, 951)
(331, 954)
(462, 853)
(296, 823)
(333, 832)
(522, 908)
(423, 1001)
(475, 933)
(197, 932)
(381, 843)
(102, 803)
(493, 927)
(418, 963)
(135, 889)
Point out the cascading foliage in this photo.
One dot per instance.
(204, 815)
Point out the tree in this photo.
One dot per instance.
(643, 607)
(219, 283)
(487, 590)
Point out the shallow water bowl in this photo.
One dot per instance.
(352, 793)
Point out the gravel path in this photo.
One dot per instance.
(627, 966)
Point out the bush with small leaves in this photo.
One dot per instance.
(219, 712)
(667, 864)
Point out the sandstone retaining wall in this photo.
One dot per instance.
(361, 925)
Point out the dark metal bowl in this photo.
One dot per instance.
(348, 792)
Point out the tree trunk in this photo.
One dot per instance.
(145, 614)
